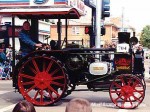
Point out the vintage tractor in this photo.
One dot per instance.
(44, 77)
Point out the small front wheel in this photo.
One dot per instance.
(127, 91)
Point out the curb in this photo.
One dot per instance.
(5, 78)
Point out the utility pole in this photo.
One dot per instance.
(98, 23)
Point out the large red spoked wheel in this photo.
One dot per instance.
(42, 80)
(127, 91)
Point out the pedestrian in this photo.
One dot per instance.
(140, 51)
(24, 106)
(53, 45)
(27, 44)
(78, 105)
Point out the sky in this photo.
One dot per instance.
(136, 12)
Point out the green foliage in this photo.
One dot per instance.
(145, 36)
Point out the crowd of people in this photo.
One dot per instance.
(75, 105)
(5, 62)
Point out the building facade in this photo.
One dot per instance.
(113, 26)
(75, 30)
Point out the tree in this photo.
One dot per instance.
(145, 36)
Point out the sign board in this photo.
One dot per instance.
(123, 63)
(123, 48)
(11, 3)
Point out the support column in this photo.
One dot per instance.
(59, 33)
(34, 30)
(13, 43)
(66, 31)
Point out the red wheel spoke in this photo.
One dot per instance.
(49, 66)
(36, 94)
(129, 82)
(124, 100)
(33, 70)
(41, 98)
(57, 83)
(35, 65)
(58, 77)
(123, 103)
(31, 88)
(55, 71)
(28, 83)
(116, 84)
(135, 83)
(53, 90)
(118, 97)
(130, 101)
(50, 94)
(122, 80)
(27, 76)
(139, 91)
(136, 98)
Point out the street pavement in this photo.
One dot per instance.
(100, 101)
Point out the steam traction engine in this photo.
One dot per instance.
(44, 77)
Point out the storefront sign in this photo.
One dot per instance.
(78, 4)
(40, 1)
(12, 3)
(5, 3)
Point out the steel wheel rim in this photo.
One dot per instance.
(128, 94)
(39, 76)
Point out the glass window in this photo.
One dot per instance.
(75, 30)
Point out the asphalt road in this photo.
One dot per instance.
(100, 101)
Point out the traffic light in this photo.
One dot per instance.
(105, 8)
(88, 29)
(103, 31)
